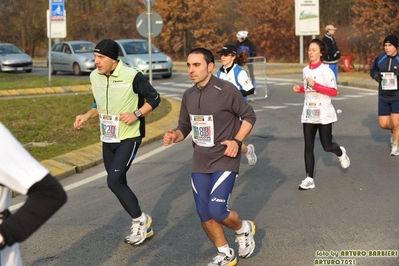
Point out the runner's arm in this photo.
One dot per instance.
(44, 199)
(325, 90)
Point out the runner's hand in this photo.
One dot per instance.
(232, 148)
(79, 120)
(169, 137)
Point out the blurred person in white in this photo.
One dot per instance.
(20, 172)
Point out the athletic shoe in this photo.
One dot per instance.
(140, 231)
(344, 159)
(223, 260)
(395, 150)
(246, 242)
(251, 156)
(307, 183)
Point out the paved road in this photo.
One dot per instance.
(353, 209)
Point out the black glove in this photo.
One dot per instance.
(377, 77)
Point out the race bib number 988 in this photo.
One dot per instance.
(202, 130)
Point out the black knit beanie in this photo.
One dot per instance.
(108, 48)
(392, 39)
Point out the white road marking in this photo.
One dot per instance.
(99, 175)
(275, 107)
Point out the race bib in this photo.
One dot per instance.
(109, 127)
(389, 81)
(202, 130)
(313, 112)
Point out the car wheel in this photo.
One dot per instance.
(76, 70)
(168, 76)
(53, 72)
(28, 71)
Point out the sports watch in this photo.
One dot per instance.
(239, 143)
(138, 114)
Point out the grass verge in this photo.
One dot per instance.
(15, 80)
(44, 125)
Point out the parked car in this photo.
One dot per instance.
(134, 52)
(72, 56)
(14, 59)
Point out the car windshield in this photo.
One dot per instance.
(139, 48)
(83, 48)
(9, 49)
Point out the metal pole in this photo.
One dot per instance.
(149, 35)
(301, 49)
(49, 41)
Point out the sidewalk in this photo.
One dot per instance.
(74, 162)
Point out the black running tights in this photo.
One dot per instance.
(117, 160)
(325, 135)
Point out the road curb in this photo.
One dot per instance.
(46, 90)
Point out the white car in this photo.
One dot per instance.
(14, 59)
(134, 52)
(72, 56)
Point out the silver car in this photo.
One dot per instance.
(14, 59)
(72, 56)
(134, 52)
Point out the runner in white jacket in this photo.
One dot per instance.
(318, 112)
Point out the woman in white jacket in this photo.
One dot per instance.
(318, 112)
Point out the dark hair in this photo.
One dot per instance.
(242, 58)
(209, 58)
(322, 46)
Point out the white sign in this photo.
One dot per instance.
(307, 20)
(58, 27)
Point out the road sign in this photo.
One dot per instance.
(58, 27)
(148, 3)
(57, 10)
(142, 24)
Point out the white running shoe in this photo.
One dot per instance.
(395, 150)
(344, 159)
(307, 183)
(140, 231)
(223, 260)
(251, 156)
(246, 242)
